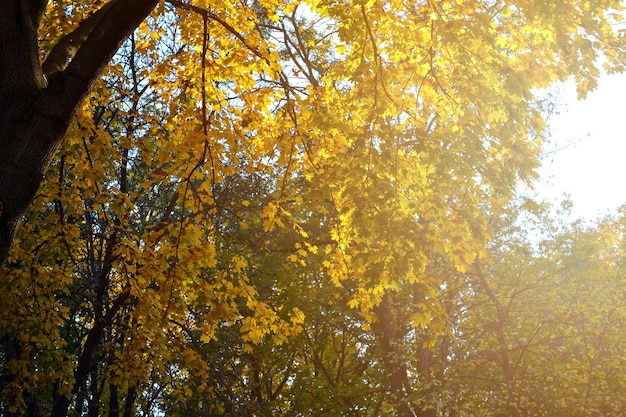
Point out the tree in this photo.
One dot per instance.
(225, 151)
(39, 101)
(537, 320)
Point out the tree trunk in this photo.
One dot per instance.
(130, 401)
(507, 366)
(389, 341)
(34, 111)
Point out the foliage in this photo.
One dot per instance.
(537, 330)
(282, 208)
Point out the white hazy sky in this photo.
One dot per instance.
(592, 169)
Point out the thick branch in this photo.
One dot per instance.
(91, 345)
(111, 27)
(67, 47)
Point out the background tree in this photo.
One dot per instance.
(536, 330)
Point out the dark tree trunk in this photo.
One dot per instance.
(34, 111)
(114, 402)
(130, 402)
(21, 84)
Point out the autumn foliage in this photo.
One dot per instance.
(306, 208)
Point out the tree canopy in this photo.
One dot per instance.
(296, 208)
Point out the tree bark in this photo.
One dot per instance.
(35, 112)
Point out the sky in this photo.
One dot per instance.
(586, 158)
